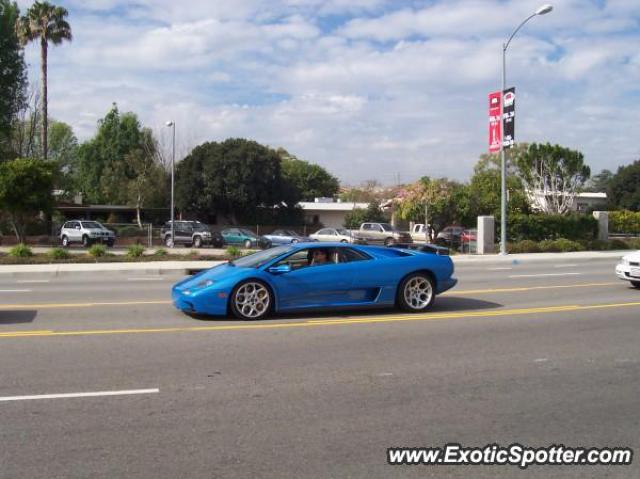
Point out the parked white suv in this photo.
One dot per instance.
(86, 232)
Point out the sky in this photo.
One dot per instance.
(390, 90)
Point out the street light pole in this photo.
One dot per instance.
(173, 167)
(544, 9)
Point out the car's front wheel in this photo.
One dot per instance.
(416, 293)
(247, 244)
(635, 284)
(251, 300)
(86, 242)
(197, 242)
(389, 242)
(168, 242)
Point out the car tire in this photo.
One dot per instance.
(416, 293)
(343, 241)
(197, 242)
(168, 242)
(247, 244)
(294, 241)
(110, 243)
(251, 300)
(635, 284)
(389, 242)
(65, 241)
(86, 242)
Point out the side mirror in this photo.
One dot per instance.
(280, 269)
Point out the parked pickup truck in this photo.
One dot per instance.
(381, 233)
(420, 233)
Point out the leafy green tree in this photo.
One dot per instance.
(102, 172)
(371, 214)
(13, 79)
(232, 178)
(599, 183)
(624, 188)
(25, 190)
(441, 200)
(485, 187)
(308, 180)
(554, 174)
(44, 22)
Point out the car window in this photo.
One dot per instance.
(387, 227)
(278, 233)
(260, 258)
(305, 258)
(366, 226)
(66, 225)
(343, 231)
(325, 231)
(349, 255)
(91, 224)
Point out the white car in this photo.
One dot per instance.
(629, 269)
(340, 235)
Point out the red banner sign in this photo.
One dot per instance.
(495, 130)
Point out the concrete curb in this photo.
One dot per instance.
(187, 267)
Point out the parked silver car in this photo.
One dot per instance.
(86, 232)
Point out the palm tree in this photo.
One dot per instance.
(44, 22)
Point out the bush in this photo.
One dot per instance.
(135, 251)
(634, 243)
(524, 246)
(234, 252)
(564, 245)
(20, 251)
(624, 221)
(540, 227)
(58, 253)
(618, 244)
(596, 245)
(161, 252)
(98, 250)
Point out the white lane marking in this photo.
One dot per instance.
(145, 279)
(541, 275)
(81, 395)
(29, 281)
(565, 265)
(15, 290)
(498, 269)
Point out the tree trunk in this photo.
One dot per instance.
(45, 120)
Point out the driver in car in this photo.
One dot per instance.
(320, 256)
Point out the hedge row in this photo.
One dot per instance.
(624, 221)
(563, 245)
(540, 227)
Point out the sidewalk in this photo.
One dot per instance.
(187, 267)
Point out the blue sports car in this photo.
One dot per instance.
(311, 276)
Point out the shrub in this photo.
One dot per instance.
(564, 245)
(596, 245)
(634, 243)
(58, 253)
(618, 244)
(20, 251)
(135, 251)
(234, 252)
(98, 250)
(624, 221)
(539, 227)
(524, 246)
(161, 252)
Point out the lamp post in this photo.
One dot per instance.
(172, 124)
(544, 9)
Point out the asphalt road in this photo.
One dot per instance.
(539, 353)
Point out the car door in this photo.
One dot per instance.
(308, 286)
(231, 236)
(75, 233)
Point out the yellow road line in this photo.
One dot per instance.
(329, 321)
(10, 307)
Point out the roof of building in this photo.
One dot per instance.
(314, 206)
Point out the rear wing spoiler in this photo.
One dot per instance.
(425, 248)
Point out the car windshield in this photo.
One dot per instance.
(251, 234)
(260, 258)
(343, 231)
(92, 224)
(291, 233)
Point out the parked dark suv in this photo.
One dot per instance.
(191, 233)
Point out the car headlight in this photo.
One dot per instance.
(205, 283)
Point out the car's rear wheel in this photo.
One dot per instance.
(251, 300)
(635, 284)
(247, 244)
(389, 242)
(416, 293)
(110, 243)
(343, 241)
(197, 242)
(65, 242)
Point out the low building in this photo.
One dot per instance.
(581, 202)
(327, 212)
